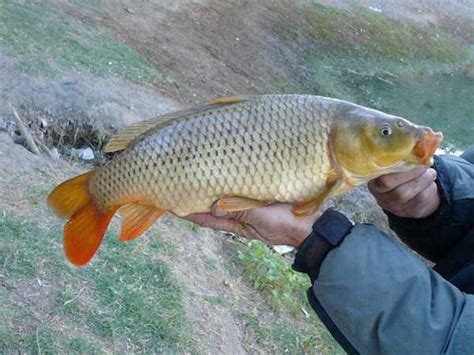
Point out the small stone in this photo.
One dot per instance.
(54, 153)
(283, 249)
(375, 9)
(227, 283)
(43, 122)
(85, 153)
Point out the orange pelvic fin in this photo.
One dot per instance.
(136, 219)
(235, 203)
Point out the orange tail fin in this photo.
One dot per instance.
(70, 196)
(87, 225)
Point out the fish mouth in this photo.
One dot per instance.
(426, 147)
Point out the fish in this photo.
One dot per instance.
(241, 153)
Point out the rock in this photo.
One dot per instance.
(54, 153)
(283, 249)
(84, 153)
(43, 122)
(375, 9)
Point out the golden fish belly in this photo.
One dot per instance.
(269, 150)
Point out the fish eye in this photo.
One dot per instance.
(386, 131)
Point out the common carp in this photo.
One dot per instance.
(243, 152)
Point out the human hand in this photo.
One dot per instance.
(411, 194)
(274, 224)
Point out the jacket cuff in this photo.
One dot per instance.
(441, 214)
(328, 232)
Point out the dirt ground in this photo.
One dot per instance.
(210, 49)
(219, 328)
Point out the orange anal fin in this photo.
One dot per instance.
(136, 219)
(308, 207)
(84, 233)
(235, 203)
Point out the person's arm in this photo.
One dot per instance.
(374, 296)
(430, 217)
(378, 298)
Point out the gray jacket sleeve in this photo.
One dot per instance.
(435, 236)
(384, 300)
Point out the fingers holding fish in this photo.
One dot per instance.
(406, 196)
(389, 182)
(274, 224)
(208, 220)
(423, 205)
(231, 222)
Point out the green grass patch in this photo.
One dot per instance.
(298, 330)
(270, 273)
(367, 34)
(440, 99)
(124, 299)
(36, 193)
(217, 300)
(283, 337)
(51, 42)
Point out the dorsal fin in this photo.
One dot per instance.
(124, 138)
(228, 100)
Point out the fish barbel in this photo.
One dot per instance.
(244, 153)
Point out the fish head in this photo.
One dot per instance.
(367, 143)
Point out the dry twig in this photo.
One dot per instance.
(31, 145)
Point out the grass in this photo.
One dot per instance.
(278, 337)
(216, 300)
(269, 273)
(125, 300)
(366, 34)
(50, 42)
(375, 61)
(297, 330)
(35, 193)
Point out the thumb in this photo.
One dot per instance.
(237, 215)
(241, 220)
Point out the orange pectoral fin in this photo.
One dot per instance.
(235, 203)
(307, 208)
(84, 233)
(136, 219)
